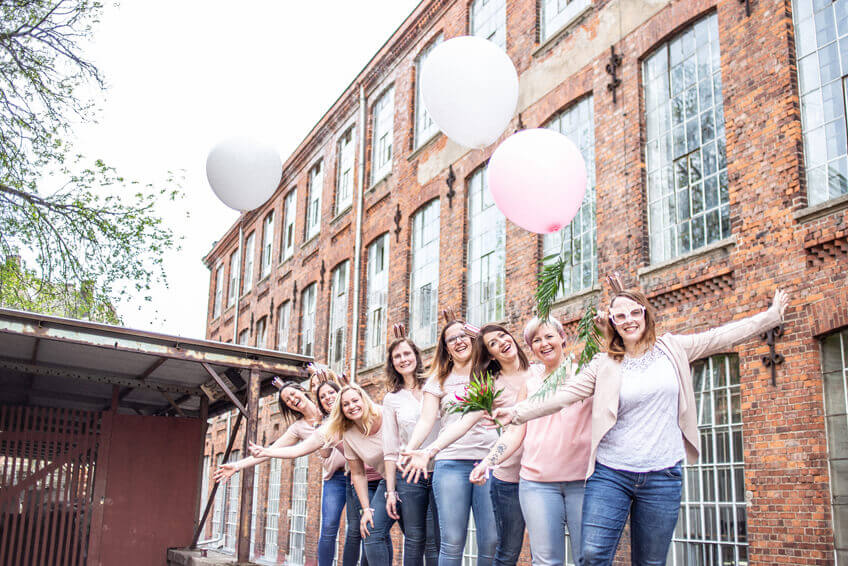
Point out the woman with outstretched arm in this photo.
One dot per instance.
(643, 422)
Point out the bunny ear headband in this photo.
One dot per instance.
(399, 331)
(614, 280)
(450, 315)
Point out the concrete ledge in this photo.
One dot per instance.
(186, 557)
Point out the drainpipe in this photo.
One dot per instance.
(357, 246)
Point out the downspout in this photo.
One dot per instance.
(357, 245)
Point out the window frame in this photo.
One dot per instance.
(487, 33)
(218, 298)
(283, 323)
(417, 331)
(423, 135)
(266, 258)
(308, 306)
(338, 315)
(381, 117)
(232, 286)
(376, 305)
(314, 190)
(345, 200)
(549, 28)
(250, 261)
(287, 237)
(483, 310)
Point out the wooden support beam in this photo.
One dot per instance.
(246, 507)
(226, 389)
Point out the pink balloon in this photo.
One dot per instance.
(538, 179)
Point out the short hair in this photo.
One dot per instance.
(535, 323)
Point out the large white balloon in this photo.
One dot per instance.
(243, 172)
(470, 89)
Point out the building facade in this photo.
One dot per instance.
(714, 133)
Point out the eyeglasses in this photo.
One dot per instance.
(635, 314)
(450, 341)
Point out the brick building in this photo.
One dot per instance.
(715, 135)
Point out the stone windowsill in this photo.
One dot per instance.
(310, 240)
(820, 210)
(648, 270)
(575, 298)
(377, 183)
(545, 46)
(341, 214)
(424, 145)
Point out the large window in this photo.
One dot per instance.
(425, 128)
(580, 237)
(262, 332)
(297, 530)
(712, 528)
(821, 43)
(377, 288)
(313, 204)
(272, 513)
(338, 317)
(232, 291)
(488, 20)
(555, 14)
(283, 314)
(486, 253)
(835, 372)
(424, 275)
(220, 502)
(231, 533)
(307, 321)
(249, 252)
(688, 203)
(344, 183)
(383, 131)
(219, 291)
(290, 210)
(267, 245)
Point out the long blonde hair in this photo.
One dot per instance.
(338, 423)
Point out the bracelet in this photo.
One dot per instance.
(388, 493)
(362, 511)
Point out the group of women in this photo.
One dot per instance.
(608, 443)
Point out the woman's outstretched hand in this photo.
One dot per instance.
(224, 473)
(502, 416)
(414, 464)
(780, 302)
(256, 450)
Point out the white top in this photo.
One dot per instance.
(646, 436)
(401, 412)
(475, 444)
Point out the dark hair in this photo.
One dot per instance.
(442, 363)
(289, 414)
(334, 386)
(394, 380)
(483, 361)
(615, 344)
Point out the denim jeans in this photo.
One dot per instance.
(455, 498)
(378, 543)
(652, 499)
(353, 539)
(548, 507)
(417, 510)
(509, 521)
(333, 499)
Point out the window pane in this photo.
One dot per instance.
(834, 355)
(425, 128)
(382, 130)
(486, 253)
(488, 20)
(424, 275)
(377, 287)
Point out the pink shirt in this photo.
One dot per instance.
(557, 447)
(301, 430)
(508, 469)
(368, 449)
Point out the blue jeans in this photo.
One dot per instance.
(508, 520)
(548, 507)
(417, 510)
(378, 543)
(353, 539)
(333, 498)
(651, 499)
(455, 498)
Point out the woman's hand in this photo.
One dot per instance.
(277, 382)
(479, 474)
(602, 321)
(415, 464)
(224, 473)
(503, 416)
(392, 500)
(780, 302)
(256, 450)
(367, 518)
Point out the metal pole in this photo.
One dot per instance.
(357, 246)
(238, 277)
(246, 510)
(211, 499)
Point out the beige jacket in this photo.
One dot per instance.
(602, 378)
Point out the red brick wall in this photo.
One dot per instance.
(774, 243)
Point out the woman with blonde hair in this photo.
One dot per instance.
(644, 422)
(449, 374)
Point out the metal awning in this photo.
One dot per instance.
(58, 362)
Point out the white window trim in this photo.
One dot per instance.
(381, 171)
(249, 264)
(289, 205)
(343, 204)
(313, 197)
(574, 10)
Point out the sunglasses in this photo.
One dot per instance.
(634, 314)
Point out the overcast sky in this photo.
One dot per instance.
(185, 74)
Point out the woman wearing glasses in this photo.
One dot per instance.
(455, 495)
(643, 423)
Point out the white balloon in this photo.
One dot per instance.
(469, 87)
(243, 172)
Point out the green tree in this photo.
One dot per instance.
(76, 219)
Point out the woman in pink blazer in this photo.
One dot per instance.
(643, 423)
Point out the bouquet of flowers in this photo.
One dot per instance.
(479, 395)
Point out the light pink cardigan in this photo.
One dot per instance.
(602, 378)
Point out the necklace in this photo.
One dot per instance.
(641, 362)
